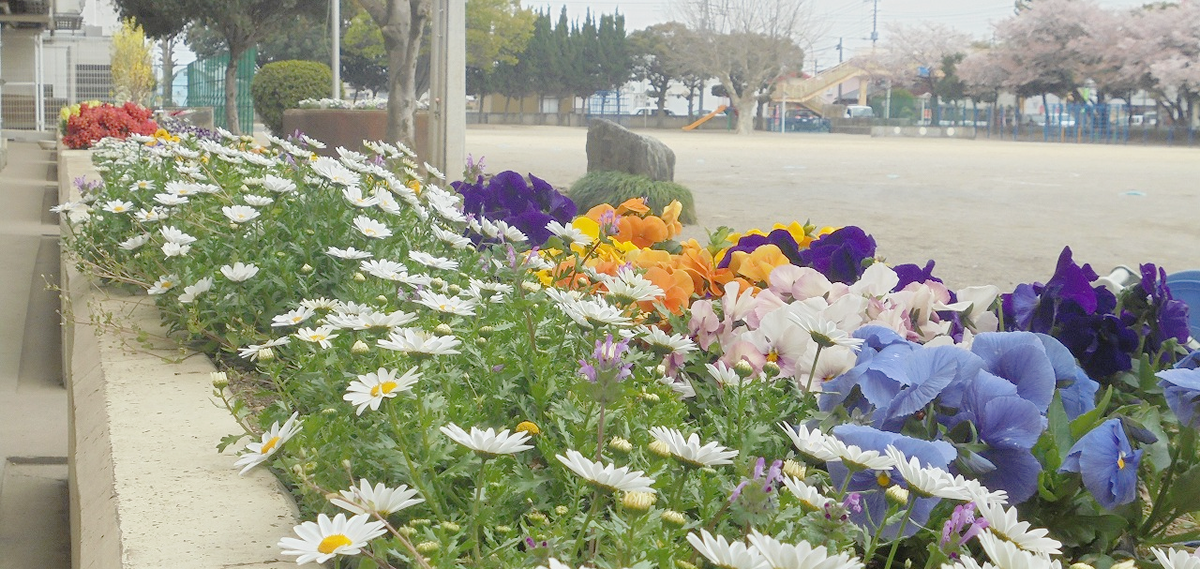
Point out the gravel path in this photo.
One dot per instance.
(988, 211)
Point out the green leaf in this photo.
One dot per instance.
(1088, 421)
(228, 440)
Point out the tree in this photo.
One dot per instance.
(364, 59)
(241, 23)
(922, 58)
(497, 32)
(657, 59)
(402, 25)
(1161, 54)
(746, 44)
(132, 73)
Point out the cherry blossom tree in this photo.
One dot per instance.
(1162, 53)
(922, 58)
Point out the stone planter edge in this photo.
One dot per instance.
(147, 486)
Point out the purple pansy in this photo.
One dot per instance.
(527, 206)
(840, 255)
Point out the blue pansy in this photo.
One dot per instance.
(1107, 463)
(1020, 358)
(1075, 388)
(1009, 425)
(936, 454)
(1181, 387)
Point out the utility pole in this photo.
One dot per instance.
(874, 24)
(839, 48)
(335, 7)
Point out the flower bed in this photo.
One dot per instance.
(495, 380)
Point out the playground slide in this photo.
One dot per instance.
(704, 118)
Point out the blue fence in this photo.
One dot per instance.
(1079, 123)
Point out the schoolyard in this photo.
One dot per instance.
(988, 211)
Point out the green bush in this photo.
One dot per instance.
(612, 188)
(282, 85)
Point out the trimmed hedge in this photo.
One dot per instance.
(281, 85)
(613, 188)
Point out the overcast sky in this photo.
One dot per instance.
(848, 19)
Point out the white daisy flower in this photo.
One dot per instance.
(434, 172)
(1006, 554)
(192, 291)
(141, 185)
(354, 195)
(253, 351)
(257, 453)
(449, 237)
(432, 261)
(810, 442)
(595, 312)
(927, 482)
(570, 234)
(488, 442)
(723, 374)
(258, 201)
(799, 556)
(239, 213)
(856, 458)
(606, 475)
(510, 234)
(689, 451)
(628, 286)
(665, 343)
(370, 389)
(970, 490)
(175, 250)
(335, 172)
(170, 199)
(721, 553)
(150, 215)
(384, 269)
(1005, 524)
(806, 493)
(824, 332)
(135, 242)
(173, 235)
(239, 271)
(278, 185)
(1176, 559)
(447, 304)
(371, 228)
(178, 188)
(411, 340)
(378, 499)
(321, 335)
(293, 317)
(373, 319)
(444, 204)
(324, 304)
(484, 290)
(347, 253)
(117, 206)
(325, 539)
(163, 284)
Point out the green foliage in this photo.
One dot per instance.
(283, 84)
(612, 188)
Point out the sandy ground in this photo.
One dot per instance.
(987, 211)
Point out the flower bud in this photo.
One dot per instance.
(346, 464)
(481, 341)
(427, 547)
(1080, 565)
(503, 529)
(453, 289)
(359, 347)
(437, 283)
(620, 445)
(671, 517)
(531, 286)
(406, 531)
(743, 369)
(660, 448)
(684, 564)
(486, 331)
(359, 278)
(897, 495)
(219, 379)
(638, 501)
(1126, 564)
(771, 369)
(451, 527)
(266, 355)
(381, 299)
(660, 370)
(443, 330)
(529, 427)
(561, 510)
(306, 268)
(536, 517)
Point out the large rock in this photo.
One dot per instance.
(611, 146)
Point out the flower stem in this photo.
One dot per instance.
(587, 522)
(912, 504)
(479, 482)
(813, 372)
(600, 433)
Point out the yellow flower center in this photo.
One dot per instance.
(383, 388)
(1121, 461)
(319, 337)
(267, 446)
(773, 356)
(529, 427)
(883, 479)
(331, 543)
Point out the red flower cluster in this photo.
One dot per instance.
(94, 123)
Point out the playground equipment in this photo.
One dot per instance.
(705, 118)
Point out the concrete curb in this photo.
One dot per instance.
(148, 489)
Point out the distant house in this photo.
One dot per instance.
(52, 53)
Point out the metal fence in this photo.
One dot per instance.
(206, 88)
(55, 79)
(1073, 122)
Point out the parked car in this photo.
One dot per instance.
(650, 112)
(859, 112)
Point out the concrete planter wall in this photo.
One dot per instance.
(148, 488)
(924, 131)
(349, 128)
